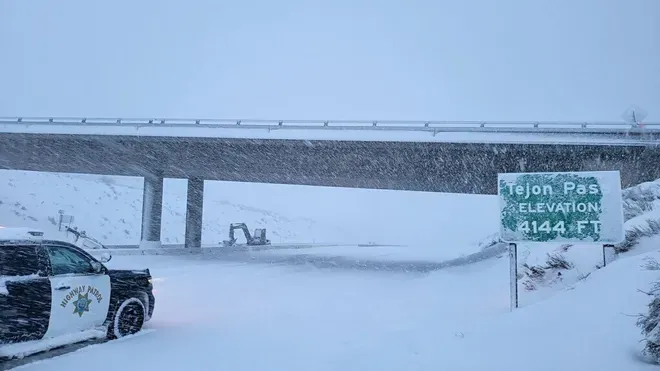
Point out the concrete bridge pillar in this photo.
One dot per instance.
(194, 208)
(152, 210)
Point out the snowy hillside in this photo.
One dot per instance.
(109, 208)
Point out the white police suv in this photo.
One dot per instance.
(53, 293)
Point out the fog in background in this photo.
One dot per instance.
(580, 60)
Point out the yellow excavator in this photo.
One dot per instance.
(257, 239)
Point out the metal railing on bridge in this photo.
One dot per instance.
(393, 125)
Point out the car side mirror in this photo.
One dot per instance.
(97, 267)
(105, 257)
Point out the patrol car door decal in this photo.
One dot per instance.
(81, 297)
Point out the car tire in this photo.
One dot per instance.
(128, 319)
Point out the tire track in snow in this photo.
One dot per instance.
(343, 262)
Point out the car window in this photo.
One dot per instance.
(64, 260)
(18, 260)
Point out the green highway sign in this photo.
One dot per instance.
(572, 207)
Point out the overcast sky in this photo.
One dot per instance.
(343, 59)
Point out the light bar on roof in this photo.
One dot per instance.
(21, 233)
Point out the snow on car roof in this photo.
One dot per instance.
(20, 233)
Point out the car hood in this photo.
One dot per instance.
(130, 272)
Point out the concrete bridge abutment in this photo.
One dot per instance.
(194, 212)
(152, 211)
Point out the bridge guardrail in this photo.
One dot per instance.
(394, 125)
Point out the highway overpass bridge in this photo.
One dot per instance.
(462, 157)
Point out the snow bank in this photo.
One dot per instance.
(544, 269)
(641, 199)
(589, 326)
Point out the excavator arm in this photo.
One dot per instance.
(243, 227)
(259, 237)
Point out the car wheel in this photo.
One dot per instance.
(128, 319)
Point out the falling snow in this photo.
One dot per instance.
(380, 212)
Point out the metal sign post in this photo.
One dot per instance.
(64, 220)
(605, 247)
(513, 273)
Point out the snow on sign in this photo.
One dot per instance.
(578, 207)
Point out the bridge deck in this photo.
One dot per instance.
(395, 131)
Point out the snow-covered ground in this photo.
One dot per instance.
(213, 313)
